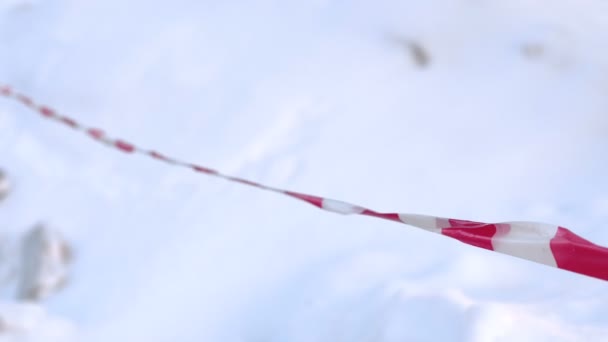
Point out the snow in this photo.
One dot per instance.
(30, 322)
(506, 122)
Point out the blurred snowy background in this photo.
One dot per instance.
(477, 109)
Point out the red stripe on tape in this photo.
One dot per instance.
(203, 169)
(46, 111)
(386, 216)
(245, 181)
(576, 254)
(68, 121)
(157, 155)
(95, 133)
(314, 200)
(124, 146)
(480, 236)
(6, 90)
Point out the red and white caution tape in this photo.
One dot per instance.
(543, 243)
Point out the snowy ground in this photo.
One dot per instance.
(507, 121)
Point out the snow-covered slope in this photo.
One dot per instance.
(508, 120)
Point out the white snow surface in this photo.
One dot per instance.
(509, 121)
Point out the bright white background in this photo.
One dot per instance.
(314, 96)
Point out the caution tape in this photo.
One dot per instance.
(539, 242)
